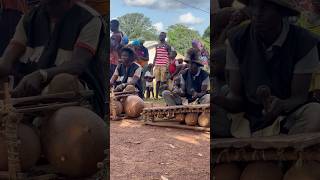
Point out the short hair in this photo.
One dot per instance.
(129, 50)
(115, 21)
(163, 33)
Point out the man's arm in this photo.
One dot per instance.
(114, 76)
(14, 50)
(83, 52)
(81, 58)
(154, 59)
(299, 92)
(136, 77)
(11, 55)
(300, 84)
(233, 102)
(204, 88)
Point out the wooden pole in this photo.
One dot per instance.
(171, 125)
(267, 155)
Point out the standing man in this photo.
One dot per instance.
(270, 63)
(161, 61)
(114, 27)
(115, 48)
(66, 55)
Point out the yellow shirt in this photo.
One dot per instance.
(315, 29)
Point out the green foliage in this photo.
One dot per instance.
(206, 38)
(136, 25)
(206, 34)
(180, 37)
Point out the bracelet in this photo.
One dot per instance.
(44, 75)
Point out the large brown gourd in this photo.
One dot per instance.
(74, 140)
(133, 106)
(102, 6)
(30, 148)
(262, 171)
(191, 119)
(308, 171)
(227, 172)
(204, 120)
(180, 117)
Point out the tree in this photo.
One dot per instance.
(180, 37)
(206, 34)
(136, 25)
(206, 38)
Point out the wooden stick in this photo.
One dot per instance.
(129, 93)
(266, 156)
(48, 107)
(44, 177)
(52, 97)
(166, 124)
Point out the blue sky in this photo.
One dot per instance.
(164, 13)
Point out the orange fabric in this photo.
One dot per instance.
(19, 5)
(142, 62)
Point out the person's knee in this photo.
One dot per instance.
(166, 93)
(205, 99)
(64, 82)
(311, 115)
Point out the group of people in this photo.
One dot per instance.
(266, 64)
(173, 79)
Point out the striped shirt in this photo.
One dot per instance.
(162, 55)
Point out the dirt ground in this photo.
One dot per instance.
(140, 152)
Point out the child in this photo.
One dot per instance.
(174, 67)
(149, 81)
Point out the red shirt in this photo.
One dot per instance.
(114, 57)
(19, 5)
(162, 55)
(172, 67)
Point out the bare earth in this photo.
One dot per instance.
(140, 152)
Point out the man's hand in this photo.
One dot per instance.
(275, 109)
(316, 95)
(177, 91)
(120, 87)
(30, 85)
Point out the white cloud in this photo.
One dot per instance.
(139, 2)
(159, 26)
(189, 19)
(168, 4)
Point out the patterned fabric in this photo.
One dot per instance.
(162, 55)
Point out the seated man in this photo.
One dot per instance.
(270, 64)
(56, 46)
(194, 84)
(127, 72)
